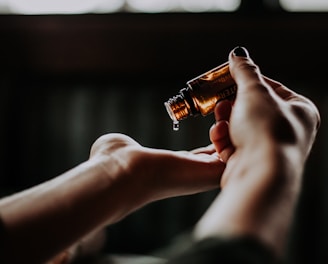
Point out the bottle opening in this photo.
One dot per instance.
(170, 110)
(177, 107)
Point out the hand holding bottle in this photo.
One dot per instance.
(264, 137)
(264, 114)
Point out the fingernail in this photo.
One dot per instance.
(240, 52)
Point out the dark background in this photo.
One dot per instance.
(67, 79)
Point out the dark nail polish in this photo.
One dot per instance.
(240, 52)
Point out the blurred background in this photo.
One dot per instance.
(71, 71)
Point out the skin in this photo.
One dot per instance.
(93, 195)
(258, 167)
(264, 137)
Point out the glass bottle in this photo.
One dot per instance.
(201, 95)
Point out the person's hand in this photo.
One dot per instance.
(138, 175)
(264, 137)
(119, 177)
(143, 175)
(264, 113)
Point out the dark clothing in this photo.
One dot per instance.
(244, 250)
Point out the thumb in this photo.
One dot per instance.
(245, 72)
(254, 101)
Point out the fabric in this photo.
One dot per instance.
(245, 250)
(2, 238)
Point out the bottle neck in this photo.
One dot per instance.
(181, 106)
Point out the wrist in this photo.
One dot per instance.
(272, 163)
(125, 180)
(260, 182)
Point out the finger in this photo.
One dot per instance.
(246, 73)
(187, 173)
(222, 110)
(219, 135)
(210, 149)
(248, 77)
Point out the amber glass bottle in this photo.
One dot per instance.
(201, 94)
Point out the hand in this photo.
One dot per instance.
(265, 111)
(120, 176)
(264, 137)
(147, 174)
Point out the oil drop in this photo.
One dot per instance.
(175, 125)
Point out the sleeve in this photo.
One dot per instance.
(245, 250)
(2, 238)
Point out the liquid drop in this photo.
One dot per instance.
(175, 125)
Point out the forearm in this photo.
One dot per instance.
(48, 218)
(259, 202)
